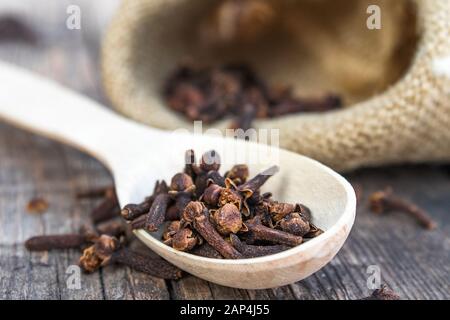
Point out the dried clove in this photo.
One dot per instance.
(37, 205)
(227, 219)
(107, 250)
(252, 185)
(305, 212)
(184, 239)
(171, 229)
(100, 192)
(261, 232)
(113, 228)
(290, 105)
(139, 222)
(156, 267)
(197, 214)
(252, 251)
(210, 94)
(107, 209)
(190, 164)
(182, 189)
(132, 211)
(207, 251)
(384, 293)
(295, 224)
(386, 201)
(58, 241)
(214, 177)
(157, 213)
(245, 118)
(279, 210)
(210, 161)
(172, 213)
(12, 28)
(238, 174)
(313, 232)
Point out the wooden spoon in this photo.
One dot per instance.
(138, 155)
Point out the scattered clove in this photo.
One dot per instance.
(114, 228)
(107, 250)
(386, 201)
(99, 192)
(13, 29)
(384, 293)
(107, 209)
(37, 205)
(62, 241)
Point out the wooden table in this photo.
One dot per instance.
(413, 261)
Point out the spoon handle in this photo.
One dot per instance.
(44, 107)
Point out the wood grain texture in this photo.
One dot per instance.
(414, 262)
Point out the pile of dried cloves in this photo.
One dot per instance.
(210, 94)
(107, 240)
(221, 216)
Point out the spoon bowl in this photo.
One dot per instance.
(137, 156)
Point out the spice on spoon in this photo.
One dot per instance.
(133, 211)
(260, 232)
(233, 221)
(252, 251)
(207, 251)
(197, 214)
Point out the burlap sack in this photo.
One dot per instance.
(395, 81)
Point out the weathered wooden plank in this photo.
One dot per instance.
(190, 287)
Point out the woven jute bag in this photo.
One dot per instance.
(395, 80)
